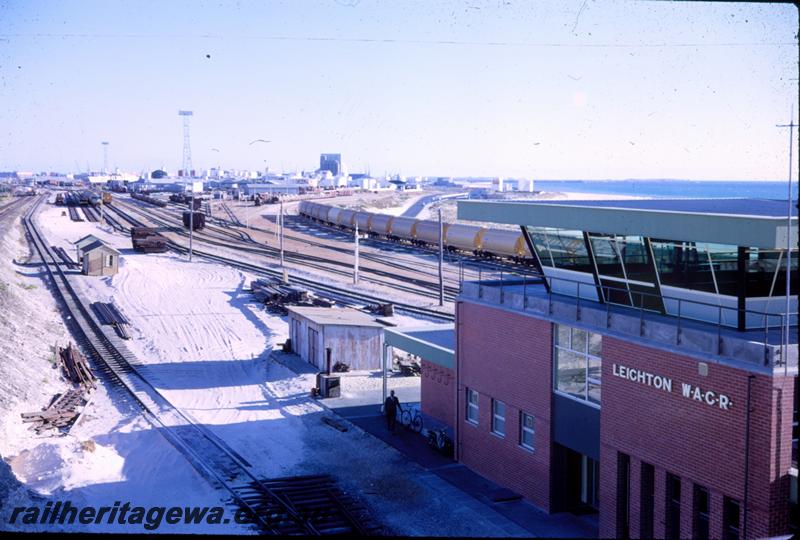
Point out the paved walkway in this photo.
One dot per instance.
(483, 491)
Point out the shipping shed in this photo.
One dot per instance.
(354, 338)
(82, 243)
(100, 259)
(435, 345)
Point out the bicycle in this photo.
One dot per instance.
(412, 422)
(438, 440)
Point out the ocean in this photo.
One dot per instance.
(697, 189)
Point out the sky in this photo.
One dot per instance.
(539, 89)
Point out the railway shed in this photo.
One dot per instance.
(355, 338)
(100, 259)
(84, 242)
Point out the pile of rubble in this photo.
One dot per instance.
(64, 409)
(276, 295)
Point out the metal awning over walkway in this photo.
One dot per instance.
(435, 342)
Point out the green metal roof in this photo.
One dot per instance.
(434, 343)
(689, 224)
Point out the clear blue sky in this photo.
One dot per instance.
(594, 89)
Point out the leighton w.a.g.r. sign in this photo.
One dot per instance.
(659, 382)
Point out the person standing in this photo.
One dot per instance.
(390, 408)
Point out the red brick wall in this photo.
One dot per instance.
(508, 356)
(438, 393)
(698, 442)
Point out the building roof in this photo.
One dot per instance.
(99, 245)
(334, 316)
(435, 342)
(741, 222)
(86, 240)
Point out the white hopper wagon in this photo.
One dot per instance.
(403, 228)
(504, 243)
(464, 237)
(428, 232)
(380, 224)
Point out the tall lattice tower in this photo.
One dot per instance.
(187, 149)
(105, 157)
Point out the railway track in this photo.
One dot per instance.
(267, 503)
(13, 208)
(345, 296)
(244, 242)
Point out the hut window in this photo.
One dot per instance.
(110, 260)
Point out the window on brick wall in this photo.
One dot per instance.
(673, 507)
(578, 362)
(701, 505)
(647, 492)
(472, 406)
(527, 431)
(730, 519)
(498, 418)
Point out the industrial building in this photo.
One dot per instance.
(331, 162)
(642, 375)
(355, 338)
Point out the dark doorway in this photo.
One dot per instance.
(575, 482)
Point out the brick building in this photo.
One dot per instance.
(641, 373)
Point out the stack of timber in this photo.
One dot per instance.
(60, 414)
(276, 295)
(74, 366)
(110, 315)
(147, 240)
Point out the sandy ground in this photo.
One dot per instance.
(205, 345)
(111, 454)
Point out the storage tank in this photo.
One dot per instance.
(363, 219)
(346, 218)
(380, 224)
(505, 243)
(428, 231)
(464, 237)
(403, 228)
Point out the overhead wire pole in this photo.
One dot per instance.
(791, 125)
(280, 218)
(441, 258)
(355, 265)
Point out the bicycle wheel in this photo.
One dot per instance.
(405, 419)
(416, 423)
(440, 440)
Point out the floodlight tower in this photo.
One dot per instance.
(187, 172)
(187, 150)
(105, 157)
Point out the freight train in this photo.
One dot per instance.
(473, 239)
